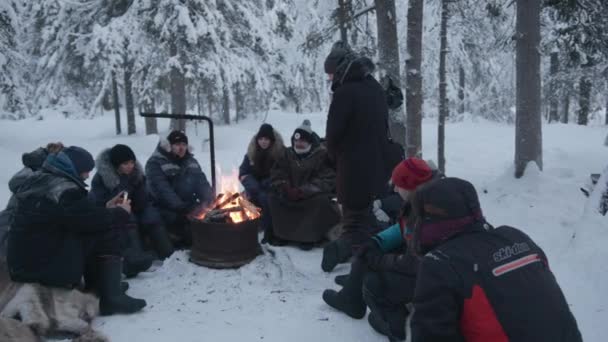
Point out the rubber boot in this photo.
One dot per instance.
(111, 298)
(394, 315)
(378, 323)
(160, 240)
(346, 301)
(91, 277)
(350, 299)
(135, 259)
(334, 253)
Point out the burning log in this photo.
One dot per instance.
(227, 201)
(249, 206)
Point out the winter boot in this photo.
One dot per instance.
(393, 314)
(111, 298)
(349, 303)
(160, 240)
(91, 277)
(334, 253)
(135, 259)
(341, 279)
(378, 323)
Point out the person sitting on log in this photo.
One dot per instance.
(177, 184)
(303, 187)
(264, 149)
(58, 235)
(120, 174)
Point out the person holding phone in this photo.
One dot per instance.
(120, 174)
(58, 235)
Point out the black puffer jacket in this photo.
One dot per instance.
(491, 285)
(53, 213)
(356, 134)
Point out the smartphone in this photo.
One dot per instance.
(125, 197)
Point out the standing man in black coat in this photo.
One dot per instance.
(357, 139)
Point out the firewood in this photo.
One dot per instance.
(226, 201)
(249, 206)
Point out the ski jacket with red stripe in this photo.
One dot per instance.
(490, 286)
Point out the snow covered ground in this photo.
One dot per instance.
(278, 296)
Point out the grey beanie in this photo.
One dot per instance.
(304, 131)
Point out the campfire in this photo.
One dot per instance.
(225, 234)
(230, 206)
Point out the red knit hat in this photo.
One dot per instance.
(410, 173)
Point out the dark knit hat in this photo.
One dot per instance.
(120, 154)
(266, 131)
(304, 131)
(81, 159)
(411, 173)
(177, 137)
(445, 207)
(338, 51)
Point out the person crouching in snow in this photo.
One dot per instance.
(120, 174)
(177, 184)
(303, 184)
(477, 283)
(59, 235)
(383, 272)
(265, 148)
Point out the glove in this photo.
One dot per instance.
(381, 216)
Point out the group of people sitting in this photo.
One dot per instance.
(436, 253)
(61, 235)
(420, 240)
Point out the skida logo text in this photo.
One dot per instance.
(511, 251)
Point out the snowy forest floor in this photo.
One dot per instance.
(277, 297)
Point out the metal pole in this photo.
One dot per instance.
(211, 136)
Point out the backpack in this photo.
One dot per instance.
(394, 95)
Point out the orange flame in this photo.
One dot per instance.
(229, 186)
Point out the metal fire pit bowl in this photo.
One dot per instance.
(224, 245)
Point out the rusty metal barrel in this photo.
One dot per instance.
(224, 244)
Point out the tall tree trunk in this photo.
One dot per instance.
(238, 102)
(178, 92)
(151, 124)
(554, 69)
(198, 101)
(443, 97)
(116, 103)
(130, 107)
(606, 113)
(584, 100)
(414, 78)
(461, 88)
(342, 15)
(528, 128)
(226, 100)
(388, 50)
(566, 114)
(210, 104)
